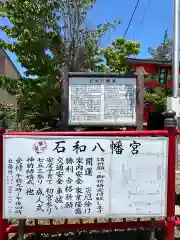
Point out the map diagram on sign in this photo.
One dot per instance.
(140, 183)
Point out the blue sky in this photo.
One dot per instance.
(159, 17)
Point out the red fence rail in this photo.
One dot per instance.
(168, 223)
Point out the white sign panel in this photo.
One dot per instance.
(97, 101)
(84, 177)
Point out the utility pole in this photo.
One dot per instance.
(175, 64)
(173, 102)
(175, 60)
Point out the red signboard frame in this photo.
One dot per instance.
(169, 223)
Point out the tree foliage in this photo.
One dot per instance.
(157, 96)
(48, 35)
(116, 54)
(39, 100)
(164, 51)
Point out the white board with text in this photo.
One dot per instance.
(102, 101)
(53, 177)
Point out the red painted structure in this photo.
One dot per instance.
(153, 68)
(169, 223)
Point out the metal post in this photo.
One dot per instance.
(175, 72)
(3, 222)
(170, 124)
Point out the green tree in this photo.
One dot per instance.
(164, 51)
(47, 36)
(51, 34)
(157, 96)
(116, 54)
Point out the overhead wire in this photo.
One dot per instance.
(130, 21)
(143, 17)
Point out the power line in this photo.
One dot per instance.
(130, 21)
(143, 17)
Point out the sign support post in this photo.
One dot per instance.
(3, 222)
(140, 72)
(170, 124)
(64, 99)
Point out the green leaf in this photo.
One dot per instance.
(46, 36)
